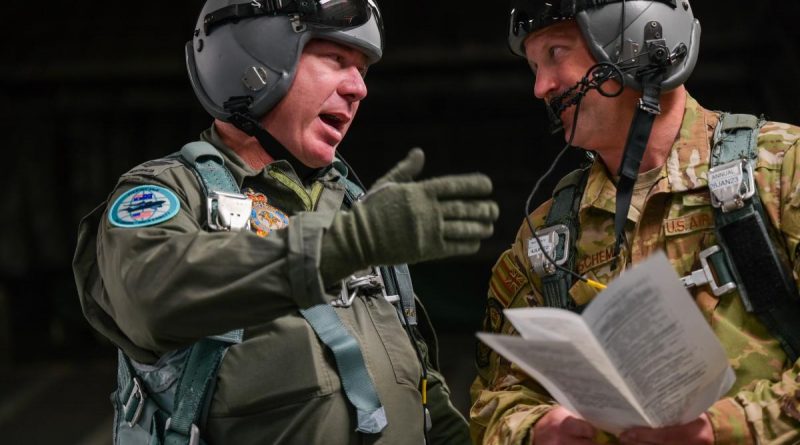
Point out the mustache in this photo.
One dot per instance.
(594, 79)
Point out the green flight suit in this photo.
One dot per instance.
(160, 288)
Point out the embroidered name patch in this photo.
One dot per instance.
(592, 260)
(688, 223)
(142, 206)
(264, 218)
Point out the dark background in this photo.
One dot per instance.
(90, 89)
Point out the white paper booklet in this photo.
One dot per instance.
(641, 354)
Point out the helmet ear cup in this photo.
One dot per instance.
(601, 29)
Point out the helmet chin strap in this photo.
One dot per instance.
(638, 135)
(595, 77)
(242, 119)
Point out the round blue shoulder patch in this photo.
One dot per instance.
(142, 206)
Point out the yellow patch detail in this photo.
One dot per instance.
(688, 223)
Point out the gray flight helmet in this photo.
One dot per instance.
(256, 57)
(599, 23)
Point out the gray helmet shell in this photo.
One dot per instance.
(257, 57)
(601, 25)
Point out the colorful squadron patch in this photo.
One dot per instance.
(507, 279)
(264, 218)
(142, 206)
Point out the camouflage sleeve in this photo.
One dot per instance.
(768, 411)
(764, 413)
(507, 402)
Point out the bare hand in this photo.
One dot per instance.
(561, 427)
(696, 432)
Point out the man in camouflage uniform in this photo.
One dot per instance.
(155, 279)
(670, 211)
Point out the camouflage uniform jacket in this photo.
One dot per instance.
(163, 287)
(762, 406)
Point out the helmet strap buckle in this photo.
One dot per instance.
(240, 115)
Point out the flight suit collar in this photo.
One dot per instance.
(288, 189)
(241, 170)
(686, 167)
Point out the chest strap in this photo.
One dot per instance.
(323, 319)
(559, 240)
(756, 251)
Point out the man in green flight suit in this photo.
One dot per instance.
(612, 73)
(256, 292)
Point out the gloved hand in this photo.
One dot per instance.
(409, 222)
(405, 170)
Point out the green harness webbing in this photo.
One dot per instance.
(193, 388)
(356, 381)
(176, 426)
(564, 212)
(756, 251)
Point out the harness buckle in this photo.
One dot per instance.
(135, 402)
(650, 108)
(228, 211)
(194, 432)
(370, 282)
(704, 275)
(731, 184)
(554, 243)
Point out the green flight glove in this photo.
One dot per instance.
(409, 222)
(405, 170)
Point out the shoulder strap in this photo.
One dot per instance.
(205, 159)
(209, 166)
(226, 207)
(754, 248)
(563, 217)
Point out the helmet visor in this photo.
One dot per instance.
(528, 16)
(335, 14)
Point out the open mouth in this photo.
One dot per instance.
(336, 121)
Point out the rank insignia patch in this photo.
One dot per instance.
(507, 280)
(142, 206)
(264, 217)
